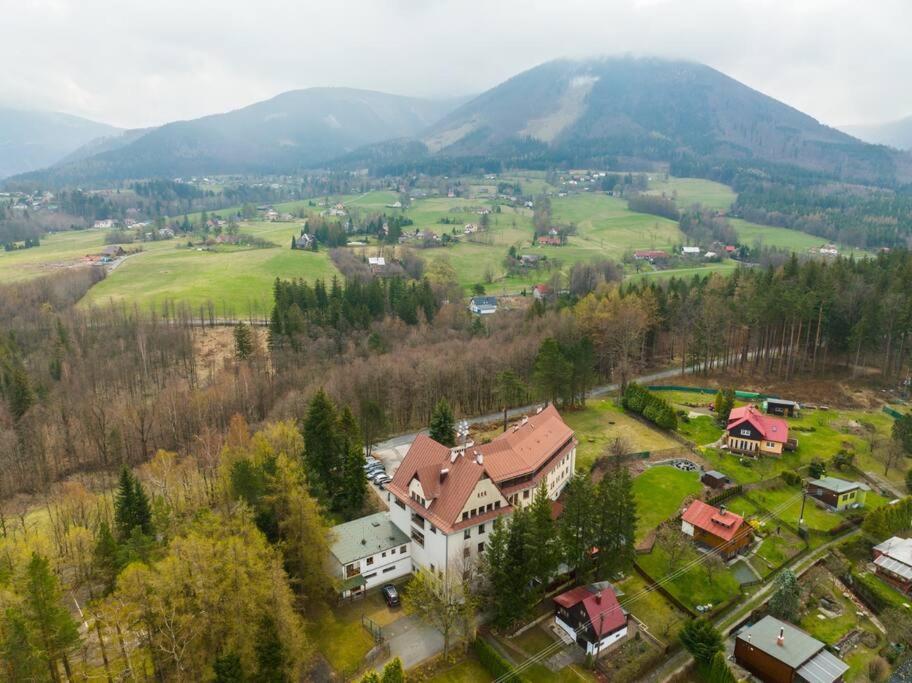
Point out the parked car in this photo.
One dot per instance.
(382, 479)
(391, 595)
(374, 471)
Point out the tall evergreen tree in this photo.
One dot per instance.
(270, 654)
(702, 640)
(786, 601)
(244, 341)
(321, 446)
(353, 489)
(227, 668)
(393, 672)
(55, 632)
(542, 536)
(124, 504)
(20, 660)
(575, 525)
(551, 371)
(105, 561)
(443, 424)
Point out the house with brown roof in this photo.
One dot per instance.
(446, 499)
(750, 431)
(716, 528)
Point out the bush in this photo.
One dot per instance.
(494, 663)
(640, 400)
(878, 669)
(791, 478)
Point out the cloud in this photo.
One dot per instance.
(141, 63)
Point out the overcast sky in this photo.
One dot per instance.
(134, 64)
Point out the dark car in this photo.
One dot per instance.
(391, 595)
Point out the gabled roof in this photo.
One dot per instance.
(836, 485)
(771, 428)
(799, 650)
(721, 523)
(603, 610)
(899, 549)
(447, 480)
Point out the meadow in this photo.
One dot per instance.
(689, 191)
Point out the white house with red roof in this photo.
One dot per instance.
(592, 617)
(750, 431)
(446, 499)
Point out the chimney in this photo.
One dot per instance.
(444, 472)
(479, 458)
(722, 510)
(453, 456)
(780, 641)
(598, 598)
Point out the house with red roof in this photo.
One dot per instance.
(716, 528)
(592, 617)
(750, 431)
(446, 499)
(651, 255)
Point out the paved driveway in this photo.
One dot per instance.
(411, 641)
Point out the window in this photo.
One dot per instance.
(465, 552)
(370, 576)
(497, 505)
(480, 529)
(745, 432)
(481, 547)
(383, 554)
(433, 528)
(389, 569)
(352, 570)
(417, 520)
(467, 534)
(418, 537)
(402, 550)
(400, 504)
(465, 515)
(370, 561)
(525, 494)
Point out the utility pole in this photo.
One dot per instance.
(801, 514)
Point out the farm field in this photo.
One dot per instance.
(690, 191)
(601, 422)
(783, 238)
(659, 492)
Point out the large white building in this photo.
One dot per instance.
(369, 552)
(446, 500)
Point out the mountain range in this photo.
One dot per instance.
(35, 139)
(565, 110)
(896, 134)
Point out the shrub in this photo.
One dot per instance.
(494, 663)
(640, 400)
(791, 478)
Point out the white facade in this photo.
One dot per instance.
(591, 648)
(687, 528)
(377, 569)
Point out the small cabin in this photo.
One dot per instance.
(781, 406)
(715, 480)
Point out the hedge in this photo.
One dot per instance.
(657, 410)
(494, 662)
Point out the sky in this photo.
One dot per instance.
(136, 64)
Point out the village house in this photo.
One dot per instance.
(690, 251)
(592, 617)
(751, 432)
(838, 494)
(304, 241)
(781, 406)
(271, 215)
(651, 255)
(777, 652)
(483, 305)
(542, 292)
(112, 251)
(530, 260)
(893, 562)
(549, 241)
(716, 528)
(446, 499)
(104, 223)
(368, 552)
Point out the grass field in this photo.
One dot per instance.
(692, 586)
(659, 493)
(601, 422)
(701, 430)
(690, 191)
(662, 618)
(469, 670)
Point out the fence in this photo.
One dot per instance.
(721, 497)
(708, 390)
(895, 414)
(652, 583)
(373, 628)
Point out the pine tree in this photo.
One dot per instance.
(142, 511)
(542, 535)
(719, 671)
(370, 677)
(443, 424)
(393, 672)
(353, 490)
(575, 525)
(244, 342)
(124, 505)
(786, 601)
(21, 661)
(105, 556)
(54, 630)
(227, 669)
(270, 654)
(495, 570)
(20, 394)
(551, 371)
(702, 640)
(321, 443)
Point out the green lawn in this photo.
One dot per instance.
(783, 238)
(701, 430)
(469, 670)
(659, 493)
(662, 618)
(785, 503)
(601, 422)
(692, 587)
(689, 191)
(338, 635)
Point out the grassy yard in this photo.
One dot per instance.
(692, 587)
(469, 670)
(662, 618)
(785, 503)
(532, 642)
(601, 422)
(659, 493)
(701, 430)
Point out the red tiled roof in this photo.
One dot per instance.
(602, 607)
(650, 253)
(447, 482)
(771, 428)
(724, 525)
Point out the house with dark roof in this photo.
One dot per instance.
(368, 552)
(838, 494)
(483, 305)
(592, 617)
(776, 652)
(716, 528)
(893, 562)
(781, 406)
(715, 479)
(446, 499)
(750, 431)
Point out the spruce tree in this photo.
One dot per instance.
(105, 561)
(142, 511)
(551, 371)
(55, 632)
(20, 394)
(354, 486)
(443, 424)
(702, 640)
(244, 342)
(719, 671)
(270, 654)
(227, 668)
(21, 660)
(542, 536)
(124, 505)
(393, 672)
(575, 525)
(786, 601)
(321, 444)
